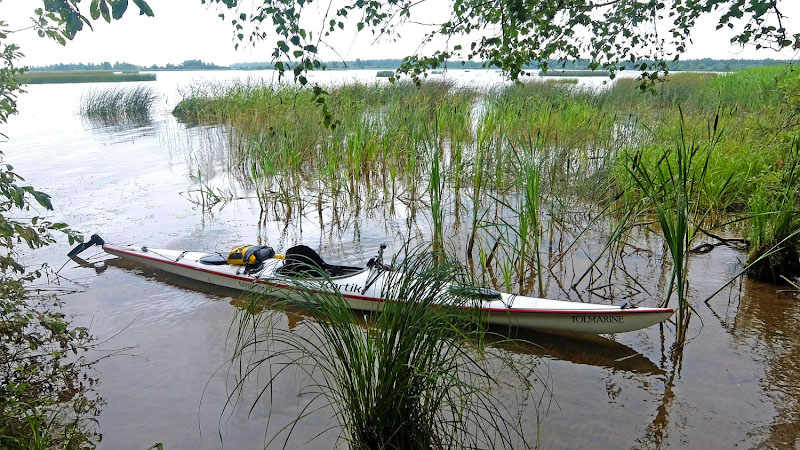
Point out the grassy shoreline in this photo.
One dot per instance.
(83, 77)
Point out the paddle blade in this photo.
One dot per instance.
(94, 240)
(79, 248)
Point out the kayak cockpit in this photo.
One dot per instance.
(299, 261)
(302, 261)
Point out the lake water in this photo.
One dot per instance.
(737, 384)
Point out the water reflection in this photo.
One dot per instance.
(590, 350)
(768, 324)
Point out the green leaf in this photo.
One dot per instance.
(43, 199)
(104, 11)
(118, 8)
(144, 8)
(94, 9)
(16, 194)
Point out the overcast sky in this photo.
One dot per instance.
(186, 29)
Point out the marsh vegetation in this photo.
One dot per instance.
(517, 175)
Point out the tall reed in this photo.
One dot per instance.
(673, 186)
(436, 187)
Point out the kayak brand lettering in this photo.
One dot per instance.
(251, 286)
(598, 319)
(350, 288)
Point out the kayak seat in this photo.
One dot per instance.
(213, 260)
(302, 260)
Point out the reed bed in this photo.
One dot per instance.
(518, 175)
(418, 374)
(83, 77)
(118, 104)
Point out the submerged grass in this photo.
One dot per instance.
(417, 375)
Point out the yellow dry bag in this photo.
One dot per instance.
(249, 254)
(237, 256)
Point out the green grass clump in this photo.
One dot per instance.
(118, 104)
(418, 375)
(83, 77)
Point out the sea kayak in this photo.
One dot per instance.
(362, 287)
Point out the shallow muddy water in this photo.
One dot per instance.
(736, 384)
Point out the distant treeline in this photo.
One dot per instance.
(191, 64)
(705, 64)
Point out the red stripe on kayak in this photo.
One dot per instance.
(373, 299)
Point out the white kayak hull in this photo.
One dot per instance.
(509, 310)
